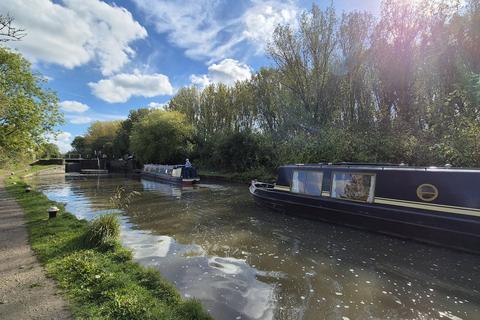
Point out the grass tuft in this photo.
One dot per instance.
(103, 232)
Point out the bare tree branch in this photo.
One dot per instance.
(7, 31)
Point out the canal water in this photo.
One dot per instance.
(245, 262)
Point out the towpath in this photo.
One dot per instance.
(25, 291)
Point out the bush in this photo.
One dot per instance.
(238, 152)
(103, 232)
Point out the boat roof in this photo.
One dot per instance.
(380, 167)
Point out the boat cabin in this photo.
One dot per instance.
(383, 183)
(171, 173)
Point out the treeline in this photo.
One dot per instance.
(400, 87)
(151, 135)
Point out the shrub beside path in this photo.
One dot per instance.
(25, 291)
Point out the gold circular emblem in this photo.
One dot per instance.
(427, 192)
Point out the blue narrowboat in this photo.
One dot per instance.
(177, 174)
(438, 205)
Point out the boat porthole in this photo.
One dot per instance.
(427, 192)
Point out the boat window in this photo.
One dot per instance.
(307, 182)
(353, 186)
(427, 192)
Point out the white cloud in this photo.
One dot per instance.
(200, 81)
(62, 140)
(73, 106)
(121, 87)
(227, 71)
(208, 31)
(93, 116)
(157, 105)
(79, 119)
(75, 32)
(261, 20)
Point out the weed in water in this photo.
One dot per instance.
(121, 198)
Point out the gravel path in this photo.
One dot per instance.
(25, 292)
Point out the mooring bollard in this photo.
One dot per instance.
(28, 189)
(52, 212)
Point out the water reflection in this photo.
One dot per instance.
(248, 263)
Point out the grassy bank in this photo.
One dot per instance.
(242, 177)
(24, 169)
(100, 282)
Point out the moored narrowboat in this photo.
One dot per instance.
(178, 174)
(438, 205)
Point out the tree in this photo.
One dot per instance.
(187, 101)
(100, 137)
(304, 58)
(79, 146)
(48, 151)
(162, 137)
(121, 142)
(28, 111)
(7, 31)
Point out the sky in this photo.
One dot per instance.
(104, 58)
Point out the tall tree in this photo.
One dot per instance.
(304, 58)
(28, 111)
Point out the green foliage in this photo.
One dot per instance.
(121, 142)
(238, 152)
(103, 232)
(28, 111)
(100, 284)
(48, 151)
(191, 310)
(162, 137)
(100, 136)
(80, 147)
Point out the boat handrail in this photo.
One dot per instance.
(383, 166)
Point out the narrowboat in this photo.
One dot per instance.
(437, 205)
(177, 174)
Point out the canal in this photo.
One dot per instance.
(245, 262)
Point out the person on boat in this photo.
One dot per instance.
(188, 169)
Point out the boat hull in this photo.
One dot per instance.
(439, 228)
(170, 179)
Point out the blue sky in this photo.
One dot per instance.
(104, 58)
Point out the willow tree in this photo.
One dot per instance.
(28, 111)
